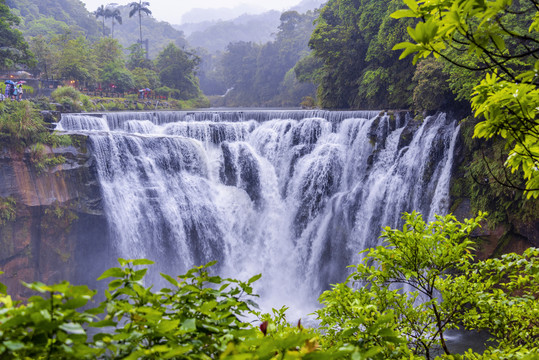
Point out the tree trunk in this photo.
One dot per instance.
(440, 329)
(140, 26)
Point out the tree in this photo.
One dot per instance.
(145, 78)
(115, 14)
(45, 53)
(351, 40)
(177, 70)
(110, 64)
(13, 48)
(103, 12)
(77, 61)
(499, 39)
(445, 287)
(137, 58)
(432, 91)
(239, 63)
(140, 7)
(108, 50)
(117, 77)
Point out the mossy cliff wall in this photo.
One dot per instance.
(481, 182)
(52, 226)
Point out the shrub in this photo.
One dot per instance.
(7, 210)
(21, 126)
(308, 102)
(66, 92)
(168, 92)
(198, 316)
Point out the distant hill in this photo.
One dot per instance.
(221, 14)
(215, 36)
(50, 17)
(307, 5)
(160, 33)
(47, 17)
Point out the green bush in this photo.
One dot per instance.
(431, 92)
(22, 126)
(199, 316)
(168, 92)
(8, 211)
(66, 92)
(27, 89)
(87, 103)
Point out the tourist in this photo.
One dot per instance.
(20, 92)
(14, 92)
(8, 91)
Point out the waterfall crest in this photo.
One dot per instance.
(295, 195)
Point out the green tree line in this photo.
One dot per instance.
(103, 62)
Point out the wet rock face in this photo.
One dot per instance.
(58, 217)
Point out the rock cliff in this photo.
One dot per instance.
(58, 231)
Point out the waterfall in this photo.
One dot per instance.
(294, 195)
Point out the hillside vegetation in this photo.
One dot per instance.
(50, 17)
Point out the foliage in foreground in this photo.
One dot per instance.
(445, 289)
(201, 316)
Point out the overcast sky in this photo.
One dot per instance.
(172, 10)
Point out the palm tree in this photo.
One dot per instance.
(140, 7)
(115, 14)
(102, 12)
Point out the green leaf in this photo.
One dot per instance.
(75, 303)
(73, 328)
(180, 350)
(102, 323)
(170, 279)
(143, 262)
(165, 326)
(403, 13)
(139, 274)
(498, 41)
(411, 4)
(254, 278)
(114, 284)
(13, 345)
(112, 272)
(189, 325)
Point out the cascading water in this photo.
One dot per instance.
(293, 195)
